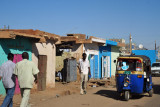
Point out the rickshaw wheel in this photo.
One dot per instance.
(150, 93)
(126, 95)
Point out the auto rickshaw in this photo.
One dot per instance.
(133, 75)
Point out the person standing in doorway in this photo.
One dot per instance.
(25, 70)
(8, 80)
(84, 68)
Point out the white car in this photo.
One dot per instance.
(155, 69)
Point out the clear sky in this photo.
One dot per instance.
(101, 18)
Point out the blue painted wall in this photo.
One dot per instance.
(150, 53)
(104, 51)
(15, 46)
(109, 42)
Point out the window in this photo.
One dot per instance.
(129, 65)
(156, 65)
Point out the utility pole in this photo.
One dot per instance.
(158, 54)
(155, 49)
(4, 27)
(130, 41)
(8, 27)
(155, 46)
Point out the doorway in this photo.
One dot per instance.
(105, 67)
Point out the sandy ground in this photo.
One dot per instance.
(61, 89)
(67, 95)
(98, 97)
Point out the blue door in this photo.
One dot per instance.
(96, 66)
(91, 65)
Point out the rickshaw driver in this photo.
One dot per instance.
(125, 66)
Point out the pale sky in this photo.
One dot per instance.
(101, 18)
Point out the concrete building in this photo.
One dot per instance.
(79, 44)
(107, 55)
(121, 43)
(100, 53)
(158, 53)
(133, 46)
(92, 50)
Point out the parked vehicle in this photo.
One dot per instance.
(155, 69)
(133, 75)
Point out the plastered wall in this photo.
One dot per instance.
(48, 49)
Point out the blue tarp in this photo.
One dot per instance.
(149, 53)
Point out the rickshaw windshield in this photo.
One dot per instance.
(129, 65)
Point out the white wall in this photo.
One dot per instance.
(88, 48)
(114, 55)
(91, 49)
(48, 49)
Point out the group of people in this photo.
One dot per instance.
(25, 70)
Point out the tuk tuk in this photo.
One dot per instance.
(133, 75)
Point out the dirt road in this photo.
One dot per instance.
(105, 97)
(101, 97)
(95, 97)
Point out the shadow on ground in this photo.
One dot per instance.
(156, 89)
(116, 96)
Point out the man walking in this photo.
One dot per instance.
(25, 70)
(8, 80)
(84, 67)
